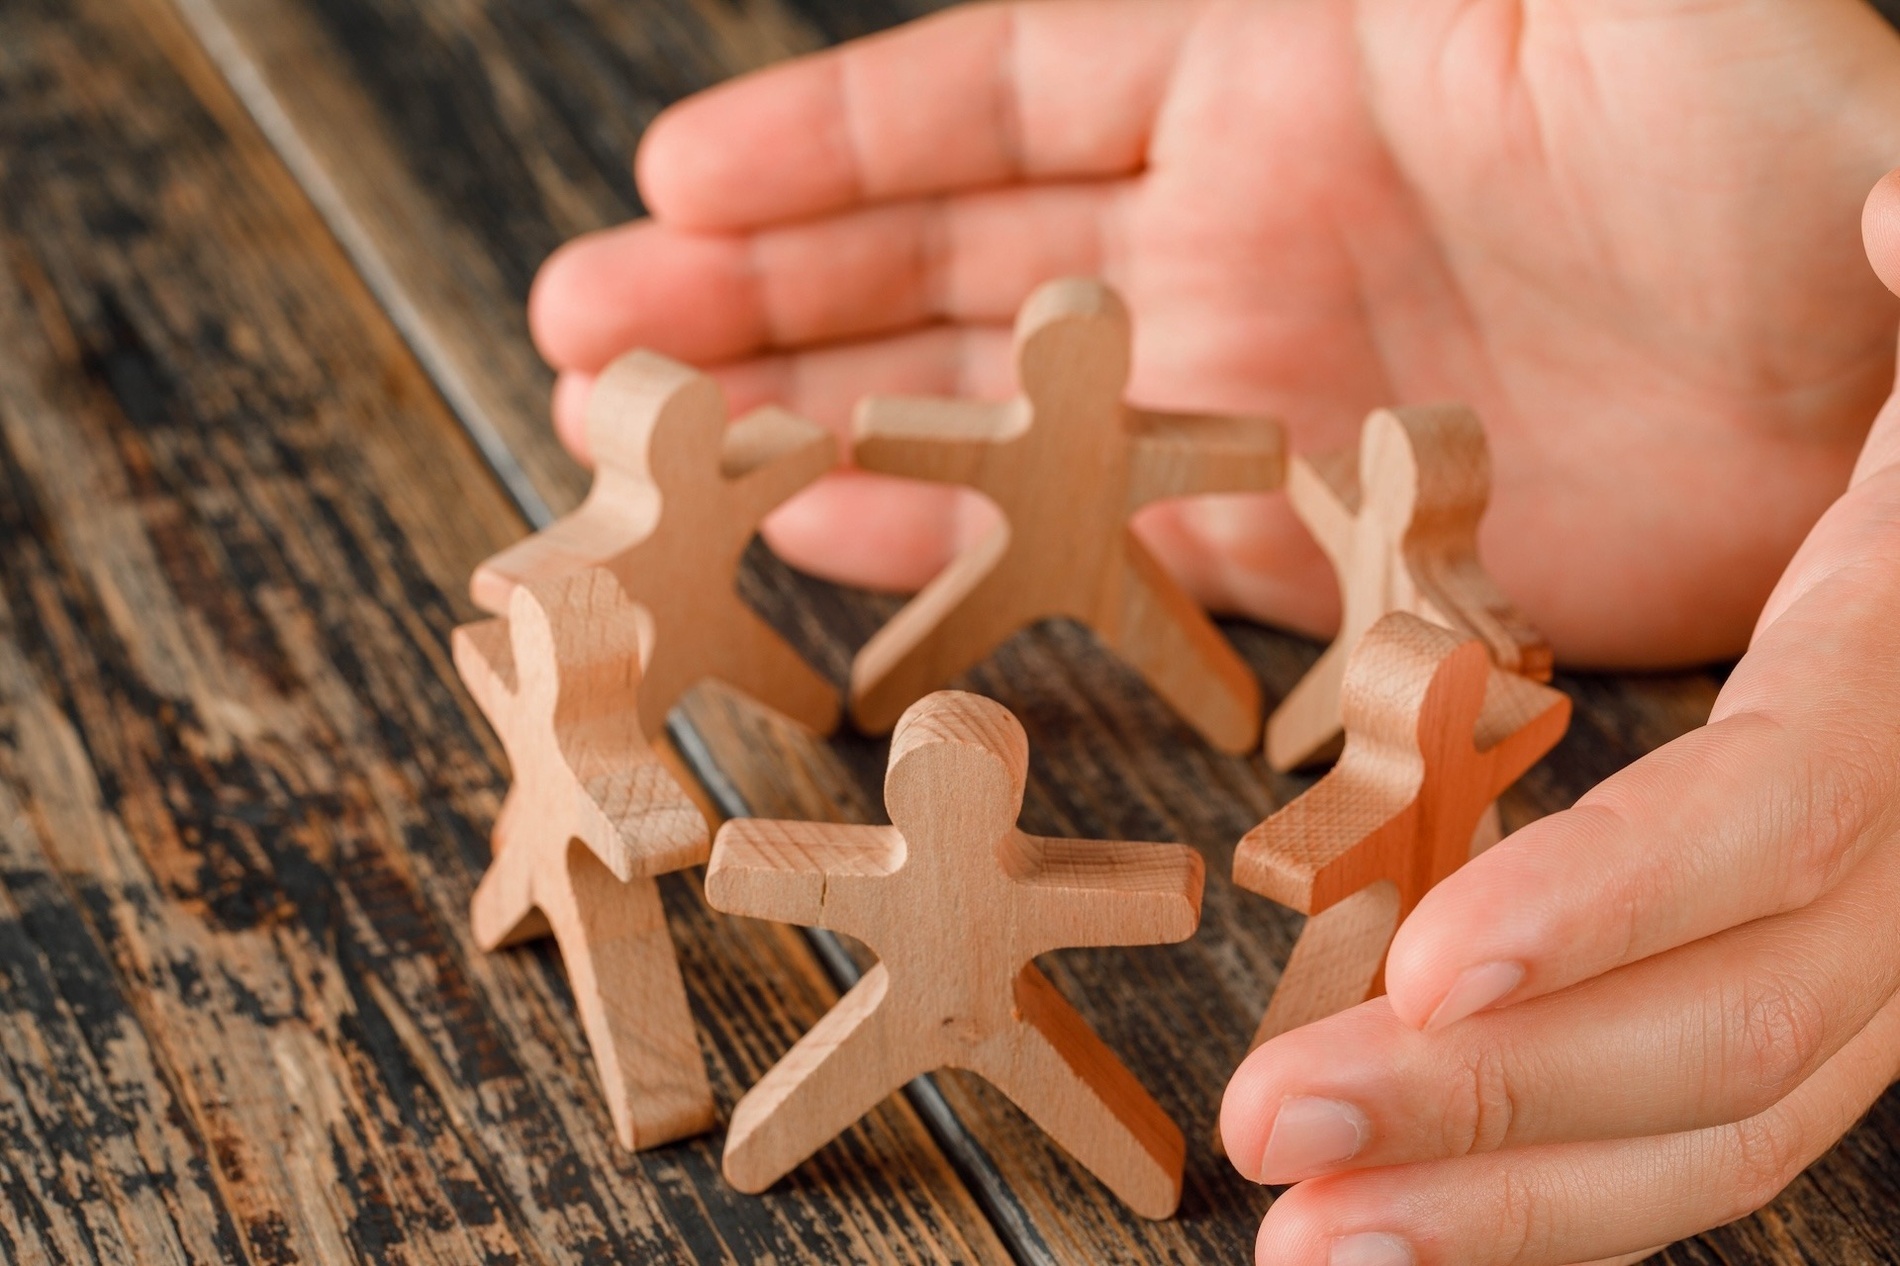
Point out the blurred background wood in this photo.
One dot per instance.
(266, 396)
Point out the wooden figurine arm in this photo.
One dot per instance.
(485, 660)
(1324, 490)
(1100, 892)
(947, 441)
(635, 817)
(770, 454)
(815, 874)
(1179, 455)
(1330, 843)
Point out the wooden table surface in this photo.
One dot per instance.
(266, 396)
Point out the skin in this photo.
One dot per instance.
(1625, 230)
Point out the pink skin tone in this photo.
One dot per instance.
(1626, 231)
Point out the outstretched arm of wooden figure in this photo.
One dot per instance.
(1330, 842)
(635, 817)
(1182, 455)
(814, 874)
(1154, 625)
(1324, 490)
(850, 1060)
(1055, 1068)
(962, 615)
(1099, 892)
(485, 661)
(769, 455)
(948, 441)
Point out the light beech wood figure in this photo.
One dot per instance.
(957, 902)
(677, 497)
(1398, 517)
(1068, 463)
(590, 818)
(1434, 733)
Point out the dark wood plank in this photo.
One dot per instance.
(243, 802)
(503, 128)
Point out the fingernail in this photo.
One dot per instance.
(1475, 989)
(1311, 1135)
(1373, 1249)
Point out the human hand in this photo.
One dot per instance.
(1646, 1015)
(1621, 229)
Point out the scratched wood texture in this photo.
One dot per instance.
(450, 144)
(243, 801)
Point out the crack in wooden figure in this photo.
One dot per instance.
(591, 817)
(677, 498)
(1398, 518)
(957, 902)
(1067, 462)
(1434, 733)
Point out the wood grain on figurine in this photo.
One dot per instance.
(591, 818)
(1434, 734)
(677, 496)
(957, 902)
(1398, 517)
(1067, 462)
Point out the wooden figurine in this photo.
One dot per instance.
(1399, 520)
(957, 902)
(590, 818)
(1434, 733)
(1067, 462)
(677, 497)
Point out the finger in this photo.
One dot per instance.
(826, 383)
(704, 297)
(981, 96)
(1708, 1034)
(1578, 1201)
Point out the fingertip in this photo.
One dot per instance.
(869, 531)
(691, 296)
(1880, 229)
(768, 146)
(571, 392)
(1246, 1114)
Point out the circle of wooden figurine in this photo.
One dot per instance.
(1430, 695)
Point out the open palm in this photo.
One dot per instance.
(1624, 230)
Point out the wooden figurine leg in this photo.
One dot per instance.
(777, 676)
(1305, 730)
(1490, 830)
(1161, 631)
(503, 911)
(1055, 1068)
(952, 625)
(632, 1001)
(848, 1063)
(1336, 963)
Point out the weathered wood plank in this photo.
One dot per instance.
(545, 105)
(243, 801)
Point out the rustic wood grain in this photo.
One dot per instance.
(451, 144)
(243, 803)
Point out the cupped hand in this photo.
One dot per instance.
(1644, 1016)
(1622, 229)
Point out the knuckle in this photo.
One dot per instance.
(1766, 1156)
(1524, 1230)
(1773, 1034)
(1481, 1115)
(1826, 810)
